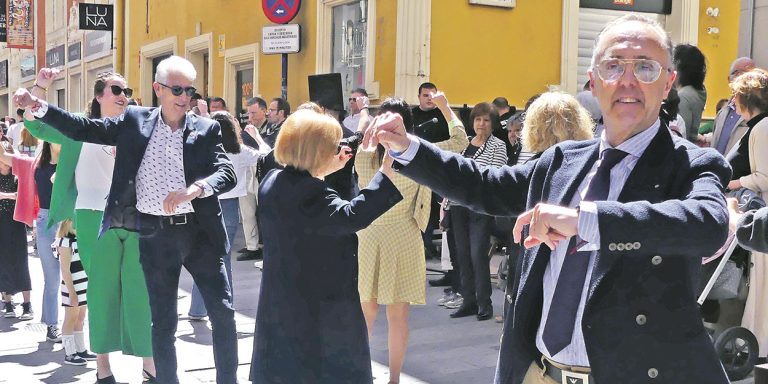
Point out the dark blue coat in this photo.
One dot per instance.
(671, 209)
(204, 159)
(309, 325)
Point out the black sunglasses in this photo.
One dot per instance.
(177, 90)
(116, 90)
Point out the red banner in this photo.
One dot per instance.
(20, 22)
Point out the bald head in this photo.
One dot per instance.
(739, 66)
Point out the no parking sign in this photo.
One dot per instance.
(280, 11)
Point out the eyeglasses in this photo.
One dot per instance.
(646, 71)
(116, 90)
(177, 90)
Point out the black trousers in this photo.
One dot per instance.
(472, 234)
(163, 250)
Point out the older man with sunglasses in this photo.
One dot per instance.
(614, 229)
(169, 168)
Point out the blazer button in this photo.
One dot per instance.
(656, 260)
(130, 181)
(620, 247)
(629, 247)
(641, 319)
(636, 244)
(612, 247)
(653, 373)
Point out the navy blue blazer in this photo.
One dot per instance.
(310, 327)
(204, 159)
(641, 315)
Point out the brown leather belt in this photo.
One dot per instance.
(561, 374)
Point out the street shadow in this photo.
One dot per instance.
(202, 335)
(61, 374)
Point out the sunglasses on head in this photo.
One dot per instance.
(177, 90)
(116, 90)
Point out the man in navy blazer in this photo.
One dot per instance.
(169, 168)
(620, 222)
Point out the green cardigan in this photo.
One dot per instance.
(64, 192)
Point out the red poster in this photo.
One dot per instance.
(21, 24)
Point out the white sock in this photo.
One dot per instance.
(80, 341)
(70, 346)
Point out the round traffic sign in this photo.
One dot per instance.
(280, 11)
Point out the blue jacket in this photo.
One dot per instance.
(204, 159)
(309, 325)
(671, 209)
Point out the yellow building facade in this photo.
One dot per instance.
(473, 52)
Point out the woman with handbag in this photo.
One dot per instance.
(750, 95)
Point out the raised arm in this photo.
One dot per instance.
(457, 140)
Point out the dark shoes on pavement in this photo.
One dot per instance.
(464, 311)
(250, 255)
(53, 334)
(105, 380)
(485, 313)
(444, 281)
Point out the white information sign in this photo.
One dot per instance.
(277, 39)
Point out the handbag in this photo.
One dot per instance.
(728, 284)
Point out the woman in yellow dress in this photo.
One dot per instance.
(393, 273)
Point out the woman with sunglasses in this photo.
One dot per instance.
(119, 315)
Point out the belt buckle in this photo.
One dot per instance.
(574, 377)
(182, 221)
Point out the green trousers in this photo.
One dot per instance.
(119, 318)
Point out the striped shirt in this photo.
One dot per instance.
(576, 353)
(79, 279)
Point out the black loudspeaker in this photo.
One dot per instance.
(325, 90)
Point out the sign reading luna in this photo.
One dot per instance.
(97, 17)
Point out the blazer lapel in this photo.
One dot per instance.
(646, 182)
(565, 181)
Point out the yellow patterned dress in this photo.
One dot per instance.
(391, 251)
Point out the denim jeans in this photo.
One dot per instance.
(51, 271)
(230, 208)
(163, 249)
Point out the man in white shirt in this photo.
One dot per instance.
(351, 122)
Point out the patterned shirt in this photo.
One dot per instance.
(162, 171)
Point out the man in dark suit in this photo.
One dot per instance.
(615, 229)
(169, 168)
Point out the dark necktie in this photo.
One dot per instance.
(558, 330)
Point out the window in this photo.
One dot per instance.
(349, 44)
(243, 91)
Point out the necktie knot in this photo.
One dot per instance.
(611, 157)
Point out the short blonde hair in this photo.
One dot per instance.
(307, 140)
(555, 117)
(66, 227)
(751, 88)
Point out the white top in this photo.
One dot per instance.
(352, 121)
(241, 162)
(14, 133)
(93, 176)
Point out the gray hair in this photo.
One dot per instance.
(175, 64)
(665, 41)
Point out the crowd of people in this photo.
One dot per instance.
(600, 199)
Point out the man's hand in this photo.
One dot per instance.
(734, 214)
(23, 99)
(46, 76)
(388, 129)
(361, 102)
(549, 224)
(175, 198)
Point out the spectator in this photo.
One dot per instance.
(278, 111)
(691, 69)
(670, 115)
(217, 104)
(352, 121)
(750, 96)
(504, 111)
(707, 127)
(28, 144)
(729, 126)
(14, 130)
(589, 102)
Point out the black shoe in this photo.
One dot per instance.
(105, 380)
(242, 250)
(485, 313)
(250, 255)
(431, 253)
(444, 281)
(464, 311)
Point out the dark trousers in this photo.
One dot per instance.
(164, 249)
(434, 219)
(472, 234)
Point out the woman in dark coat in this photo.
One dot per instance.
(309, 325)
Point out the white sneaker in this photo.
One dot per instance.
(448, 296)
(456, 302)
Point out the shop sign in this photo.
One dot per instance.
(20, 24)
(3, 26)
(97, 17)
(97, 42)
(4, 74)
(74, 52)
(54, 57)
(280, 11)
(277, 39)
(649, 6)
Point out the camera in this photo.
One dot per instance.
(352, 141)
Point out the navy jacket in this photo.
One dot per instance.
(204, 159)
(309, 325)
(641, 316)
